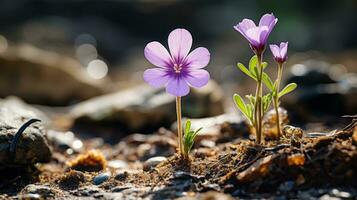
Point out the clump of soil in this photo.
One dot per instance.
(91, 161)
(71, 180)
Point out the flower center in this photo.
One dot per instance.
(177, 68)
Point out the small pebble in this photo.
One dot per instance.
(100, 178)
(116, 164)
(121, 175)
(341, 194)
(153, 162)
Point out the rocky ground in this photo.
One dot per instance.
(106, 143)
(225, 164)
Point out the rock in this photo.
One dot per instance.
(87, 190)
(32, 146)
(116, 164)
(145, 107)
(153, 162)
(101, 178)
(321, 94)
(38, 72)
(121, 175)
(43, 190)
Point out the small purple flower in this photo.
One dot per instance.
(280, 53)
(178, 69)
(257, 36)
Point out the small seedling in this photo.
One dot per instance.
(189, 139)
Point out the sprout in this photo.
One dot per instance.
(189, 139)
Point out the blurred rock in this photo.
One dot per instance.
(43, 77)
(153, 162)
(32, 146)
(321, 94)
(145, 107)
(101, 178)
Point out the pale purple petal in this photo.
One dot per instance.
(253, 35)
(177, 86)
(267, 20)
(197, 78)
(284, 49)
(180, 42)
(157, 54)
(156, 77)
(275, 50)
(198, 58)
(245, 25)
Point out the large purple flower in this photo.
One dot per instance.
(257, 36)
(280, 53)
(178, 69)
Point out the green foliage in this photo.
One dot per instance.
(189, 138)
(246, 109)
(246, 71)
(267, 99)
(268, 82)
(287, 89)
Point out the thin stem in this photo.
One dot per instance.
(276, 97)
(179, 125)
(258, 112)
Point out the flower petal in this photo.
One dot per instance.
(198, 58)
(245, 25)
(157, 54)
(255, 36)
(284, 49)
(275, 50)
(178, 87)
(156, 77)
(180, 42)
(267, 20)
(197, 78)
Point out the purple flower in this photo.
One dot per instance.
(280, 53)
(178, 69)
(257, 36)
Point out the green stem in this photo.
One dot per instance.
(276, 97)
(179, 126)
(258, 101)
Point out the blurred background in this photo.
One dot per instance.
(61, 53)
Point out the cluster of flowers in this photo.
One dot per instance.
(178, 69)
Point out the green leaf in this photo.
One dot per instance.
(268, 82)
(253, 65)
(267, 99)
(240, 103)
(242, 106)
(187, 126)
(246, 71)
(264, 65)
(287, 89)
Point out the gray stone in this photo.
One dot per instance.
(101, 178)
(32, 146)
(43, 190)
(117, 164)
(153, 162)
(143, 106)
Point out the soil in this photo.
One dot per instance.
(316, 165)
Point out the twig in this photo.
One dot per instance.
(18, 134)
